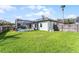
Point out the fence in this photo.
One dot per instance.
(69, 27)
(3, 28)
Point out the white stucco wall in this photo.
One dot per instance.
(44, 26)
(50, 26)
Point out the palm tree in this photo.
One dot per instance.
(62, 7)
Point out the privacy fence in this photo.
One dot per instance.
(62, 27)
(69, 27)
(3, 28)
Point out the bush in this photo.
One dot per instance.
(55, 27)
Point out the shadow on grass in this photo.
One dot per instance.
(4, 37)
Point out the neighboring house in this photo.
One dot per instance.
(22, 23)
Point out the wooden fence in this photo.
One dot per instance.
(3, 28)
(69, 27)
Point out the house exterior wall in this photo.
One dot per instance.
(34, 26)
(50, 26)
(44, 26)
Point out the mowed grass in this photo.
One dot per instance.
(39, 41)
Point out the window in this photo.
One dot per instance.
(40, 25)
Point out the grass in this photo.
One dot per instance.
(39, 41)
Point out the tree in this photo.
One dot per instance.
(0, 23)
(69, 21)
(62, 7)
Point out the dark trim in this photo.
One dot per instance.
(46, 20)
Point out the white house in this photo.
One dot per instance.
(46, 25)
(41, 24)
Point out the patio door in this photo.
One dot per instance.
(55, 27)
(30, 26)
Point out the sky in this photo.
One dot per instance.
(33, 12)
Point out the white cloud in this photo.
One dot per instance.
(40, 13)
(18, 17)
(1, 11)
(40, 10)
(39, 7)
(4, 8)
(1, 18)
(47, 13)
(28, 15)
(32, 7)
(71, 16)
(44, 9)
(36, 7)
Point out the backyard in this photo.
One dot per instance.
(39, 41)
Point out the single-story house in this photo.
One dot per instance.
(40, 24)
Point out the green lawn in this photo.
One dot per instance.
(39, 41)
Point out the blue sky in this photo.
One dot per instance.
(32, 12)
